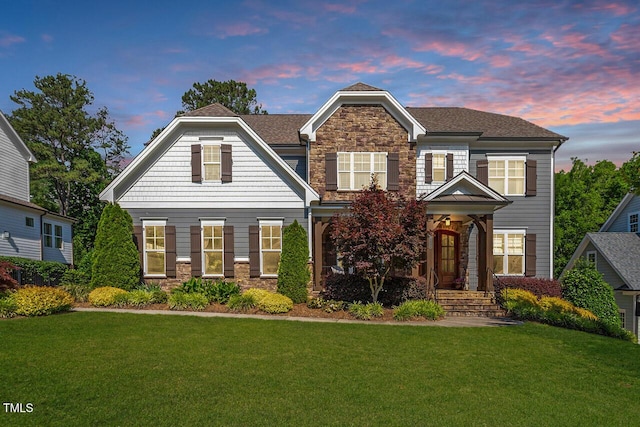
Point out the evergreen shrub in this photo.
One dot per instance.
(188, 301)
(366, 311)
(41, 300)
(106, 295)
(293, 271)
(414, 309)
(7, 305)
(38, 272)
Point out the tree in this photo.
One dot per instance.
(78, 152)
(293, 271)
(378, 233)
(631, 172)
(584, 287)
(115, 257)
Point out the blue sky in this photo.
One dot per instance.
(570, 66)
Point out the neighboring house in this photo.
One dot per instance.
(26, 229)
(209, 196)
(615, 252)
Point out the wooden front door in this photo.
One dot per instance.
(446, 257)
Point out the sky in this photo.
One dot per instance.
(570, 66)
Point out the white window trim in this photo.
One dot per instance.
(595, 257)
(506, 172)
(262, 223)
(219, 145)
(214, 224)
(45, 234)
(637, 223)
(623, 317)
(351, 168)
(56, 237)
(434, 153)
(152, 223)
(505, 262)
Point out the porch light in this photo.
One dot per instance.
(447, 221)
(6, 235)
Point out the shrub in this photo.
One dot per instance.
(115, 257)
(418, 308)
(366, 311)
(7, 305)
(158, 296)
(188, 301)
(328, 306)
(521, 303)
(416, 289)
(106, 296)
(38, 272)
(539, 287)
(139, 298)
(77, 283)
(584, 286)
(266, 301)
(6, 280)
(352, 288)
(293, 271)
(275, 303)
(221, 291)
(242, 302)
(41, 300)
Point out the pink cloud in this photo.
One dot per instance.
(627, 37)
(143, 120)
(577, 43)
(616, 9)
(10, 40)
(340, 8)
(272, 73)
(238, 30)
(450, 48)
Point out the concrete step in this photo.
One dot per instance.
(474, 313)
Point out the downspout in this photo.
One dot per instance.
(41, 236)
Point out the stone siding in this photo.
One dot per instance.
(361, 128)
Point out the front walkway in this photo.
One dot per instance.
(461, 321)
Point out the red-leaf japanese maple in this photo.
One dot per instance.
(378, 232)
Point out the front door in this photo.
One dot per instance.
(446, 258)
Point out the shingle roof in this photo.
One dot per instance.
(360, 86)
(277, 128)
(492, 125)
(14, 201)
(622, 252)
(212, 110)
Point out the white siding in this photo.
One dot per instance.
(24, 241)
(255, 182)
(14, 169)
(460, 163)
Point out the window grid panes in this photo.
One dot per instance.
(633, 223)
(213, 249)
(439, 167)
(508, 253)
(507, 176)
(211, 162)
(154, 249)
(271, 245)
(355, 170)
(58, 236)
(48, 235)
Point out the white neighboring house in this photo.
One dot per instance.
(26, 229)
(615, 251)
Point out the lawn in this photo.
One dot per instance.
(133, 369)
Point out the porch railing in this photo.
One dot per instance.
(433, 290)
(490, 288)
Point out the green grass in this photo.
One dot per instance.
(133, 369)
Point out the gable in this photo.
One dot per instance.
(618, 221)
(14, 162)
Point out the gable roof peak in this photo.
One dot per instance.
(360, 87)
(211, 110)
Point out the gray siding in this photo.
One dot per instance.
(240, 219)
(297, 163)
(627, 303)
(65, 254)
(621, 223)
(14, 168)
(532, 214)
(24, 241)
(610, 275)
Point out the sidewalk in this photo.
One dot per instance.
(460, 322)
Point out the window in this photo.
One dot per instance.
(154, 249)
(270, 247)
(633, 222)
(58, 236)
(48, 234)
(439, 167)
(506, 175)
(211, 162)
(29, 222)
(508, 252)
(592, 257)
(212, 249)
(623, 321)
(355, 170)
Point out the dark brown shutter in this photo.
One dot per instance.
(482, 171)
(227, 162)
(532, 177)
(530, 255)
(428, 168)
(331, 171)
(449, 166)
(196, 163)
(170, 245)
(138, 240)
(393, 171)
(254, 251)
(196, 251)
(228, 251)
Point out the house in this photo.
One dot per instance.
(615, 252)
(210, 195)
(26, 229)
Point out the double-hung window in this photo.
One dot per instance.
(57, 229)
(211, 162)
(154, 248)
(439, 167)
(270, 247)
(592, 257)
(356, 169)
(633, 222)
(213, 248)
(507, 175)
(47, 234)
(509, 252)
